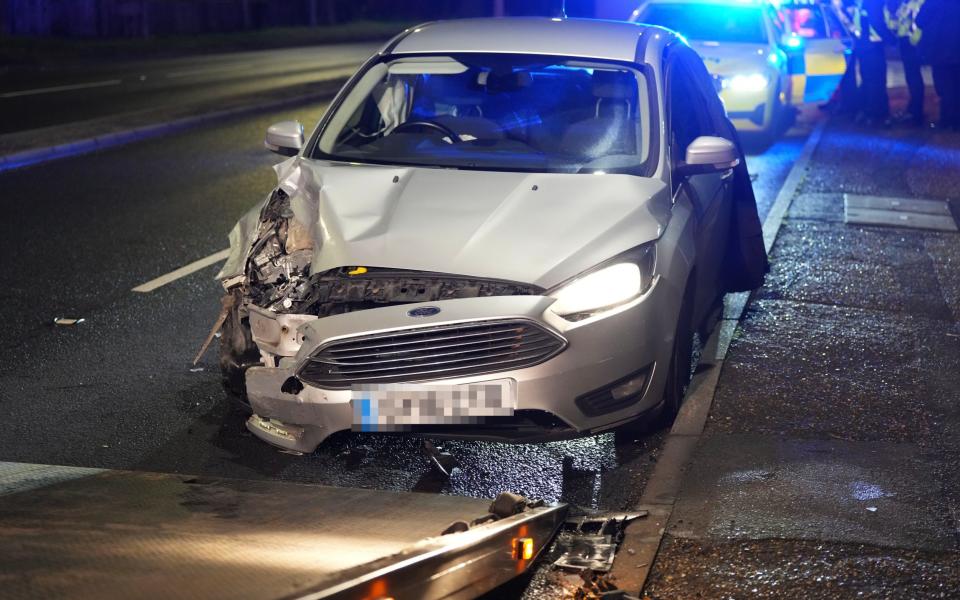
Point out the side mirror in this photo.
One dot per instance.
(709, 154)
(285, 137)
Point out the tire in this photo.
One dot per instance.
(238, 352)
(682, 361)
(679, 375)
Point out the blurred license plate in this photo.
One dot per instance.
(395, 406)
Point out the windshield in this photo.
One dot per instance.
(494, 112)
(709, 22)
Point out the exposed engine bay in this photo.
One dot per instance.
(279, 278)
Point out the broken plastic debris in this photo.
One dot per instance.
(197, 370)
(442, 462)
(66, 321)
(872, 508)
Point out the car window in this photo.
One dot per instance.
(495, 112)
(834, 26)
(708, 22)
(806, 22)
(691, 113)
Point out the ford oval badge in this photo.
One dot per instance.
(423, 311)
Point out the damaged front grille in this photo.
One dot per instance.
(338, 291)
(279, 275)
(426, 353)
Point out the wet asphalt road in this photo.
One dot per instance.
(63, 94)
(118, 390)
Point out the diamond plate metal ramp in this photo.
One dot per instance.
(912, 213)
(86, 533)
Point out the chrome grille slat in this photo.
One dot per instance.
(423, 375)
(509, 330)
(418, 352)
(435, 352)
(353, 370)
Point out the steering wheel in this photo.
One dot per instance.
(454, 138)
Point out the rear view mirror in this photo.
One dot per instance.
(285, 137)
(709, 154)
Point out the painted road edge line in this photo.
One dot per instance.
(644, 536)
(61, 88)
(182, 272)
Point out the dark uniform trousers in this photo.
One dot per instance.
(911, 71)
(946, 80)
(873, 73)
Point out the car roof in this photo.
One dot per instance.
(584, 38)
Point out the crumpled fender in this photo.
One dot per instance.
(290, 178)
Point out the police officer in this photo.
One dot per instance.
(939, 23)
(846, 98)
(870, 34)
(901, 17)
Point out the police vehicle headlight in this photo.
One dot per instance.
(754, 82)
(606, 287)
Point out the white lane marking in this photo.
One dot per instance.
(61, 88)
(183, 271)
(660, 494)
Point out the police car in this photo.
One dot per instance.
(740, 42)
(817, 47)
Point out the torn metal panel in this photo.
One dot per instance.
(590, 542)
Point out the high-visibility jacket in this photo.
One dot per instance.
(903, 20)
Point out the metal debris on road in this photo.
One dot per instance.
(67, 322)
(442, 462)
(197, 370)
(590, 542)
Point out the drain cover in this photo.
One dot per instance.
(911, 213)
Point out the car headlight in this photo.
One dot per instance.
(612, 284)
(754, 82)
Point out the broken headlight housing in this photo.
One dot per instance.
(607, 286)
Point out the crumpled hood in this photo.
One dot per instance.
(733, 59)
(532, 228)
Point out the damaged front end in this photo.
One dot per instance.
(279, 292)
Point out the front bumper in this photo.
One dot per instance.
(602, 350)
(751, 110)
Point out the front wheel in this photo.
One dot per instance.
(682, 362)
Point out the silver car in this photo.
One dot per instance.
(501, 228)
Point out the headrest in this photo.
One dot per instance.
(618, 85)
(510, 81)
(455, 89)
